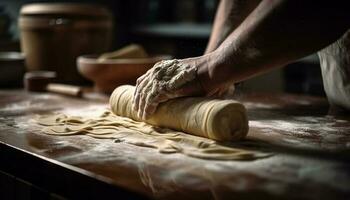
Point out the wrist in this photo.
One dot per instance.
(206, 72)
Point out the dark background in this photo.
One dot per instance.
(177, 27)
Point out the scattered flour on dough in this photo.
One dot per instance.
(125, 130)
(171, 74)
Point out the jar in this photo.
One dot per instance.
(53, 35)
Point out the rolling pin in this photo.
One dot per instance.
(41, 81)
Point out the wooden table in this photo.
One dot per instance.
(310, 156)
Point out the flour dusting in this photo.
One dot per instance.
(169, 75)
(160, 83)
(306, 130)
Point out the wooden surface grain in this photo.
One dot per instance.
(310, 154)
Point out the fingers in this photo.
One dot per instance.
(152, 94)
(145, 90)
(221, 92)
(139, 92)
(212, 93)
(224, 91)
(186, 74)
(152, 103)
(141, 82)
(231, 90)
(165, 80)
(193, 88)
(141, 105)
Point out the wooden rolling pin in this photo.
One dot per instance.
(41, 81)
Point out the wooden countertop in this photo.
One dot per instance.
(310, 161)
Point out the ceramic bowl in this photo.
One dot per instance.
(109, 74)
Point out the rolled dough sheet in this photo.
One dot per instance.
(221, 120)
(126, 130)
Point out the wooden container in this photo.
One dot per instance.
(53, 35)
(111, 73)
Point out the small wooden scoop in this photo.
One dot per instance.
(41, 81)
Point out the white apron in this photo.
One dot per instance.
(335, 66)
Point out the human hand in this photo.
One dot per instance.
(166, 80)
(171, 79)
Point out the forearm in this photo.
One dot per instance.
(274, 34)
(230, 14)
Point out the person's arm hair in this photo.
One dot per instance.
(275, 33)
(229, 15)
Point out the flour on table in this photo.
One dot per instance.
(122, 129)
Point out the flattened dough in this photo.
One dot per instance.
(122, 129)
(221, 120)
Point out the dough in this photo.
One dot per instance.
(125, 130)
(221, 120)
(163, 79)
(216, 119)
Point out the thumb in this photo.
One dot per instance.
(192, 88)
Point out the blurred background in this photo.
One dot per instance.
(180, 28)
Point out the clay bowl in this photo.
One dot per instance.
(109, 74)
